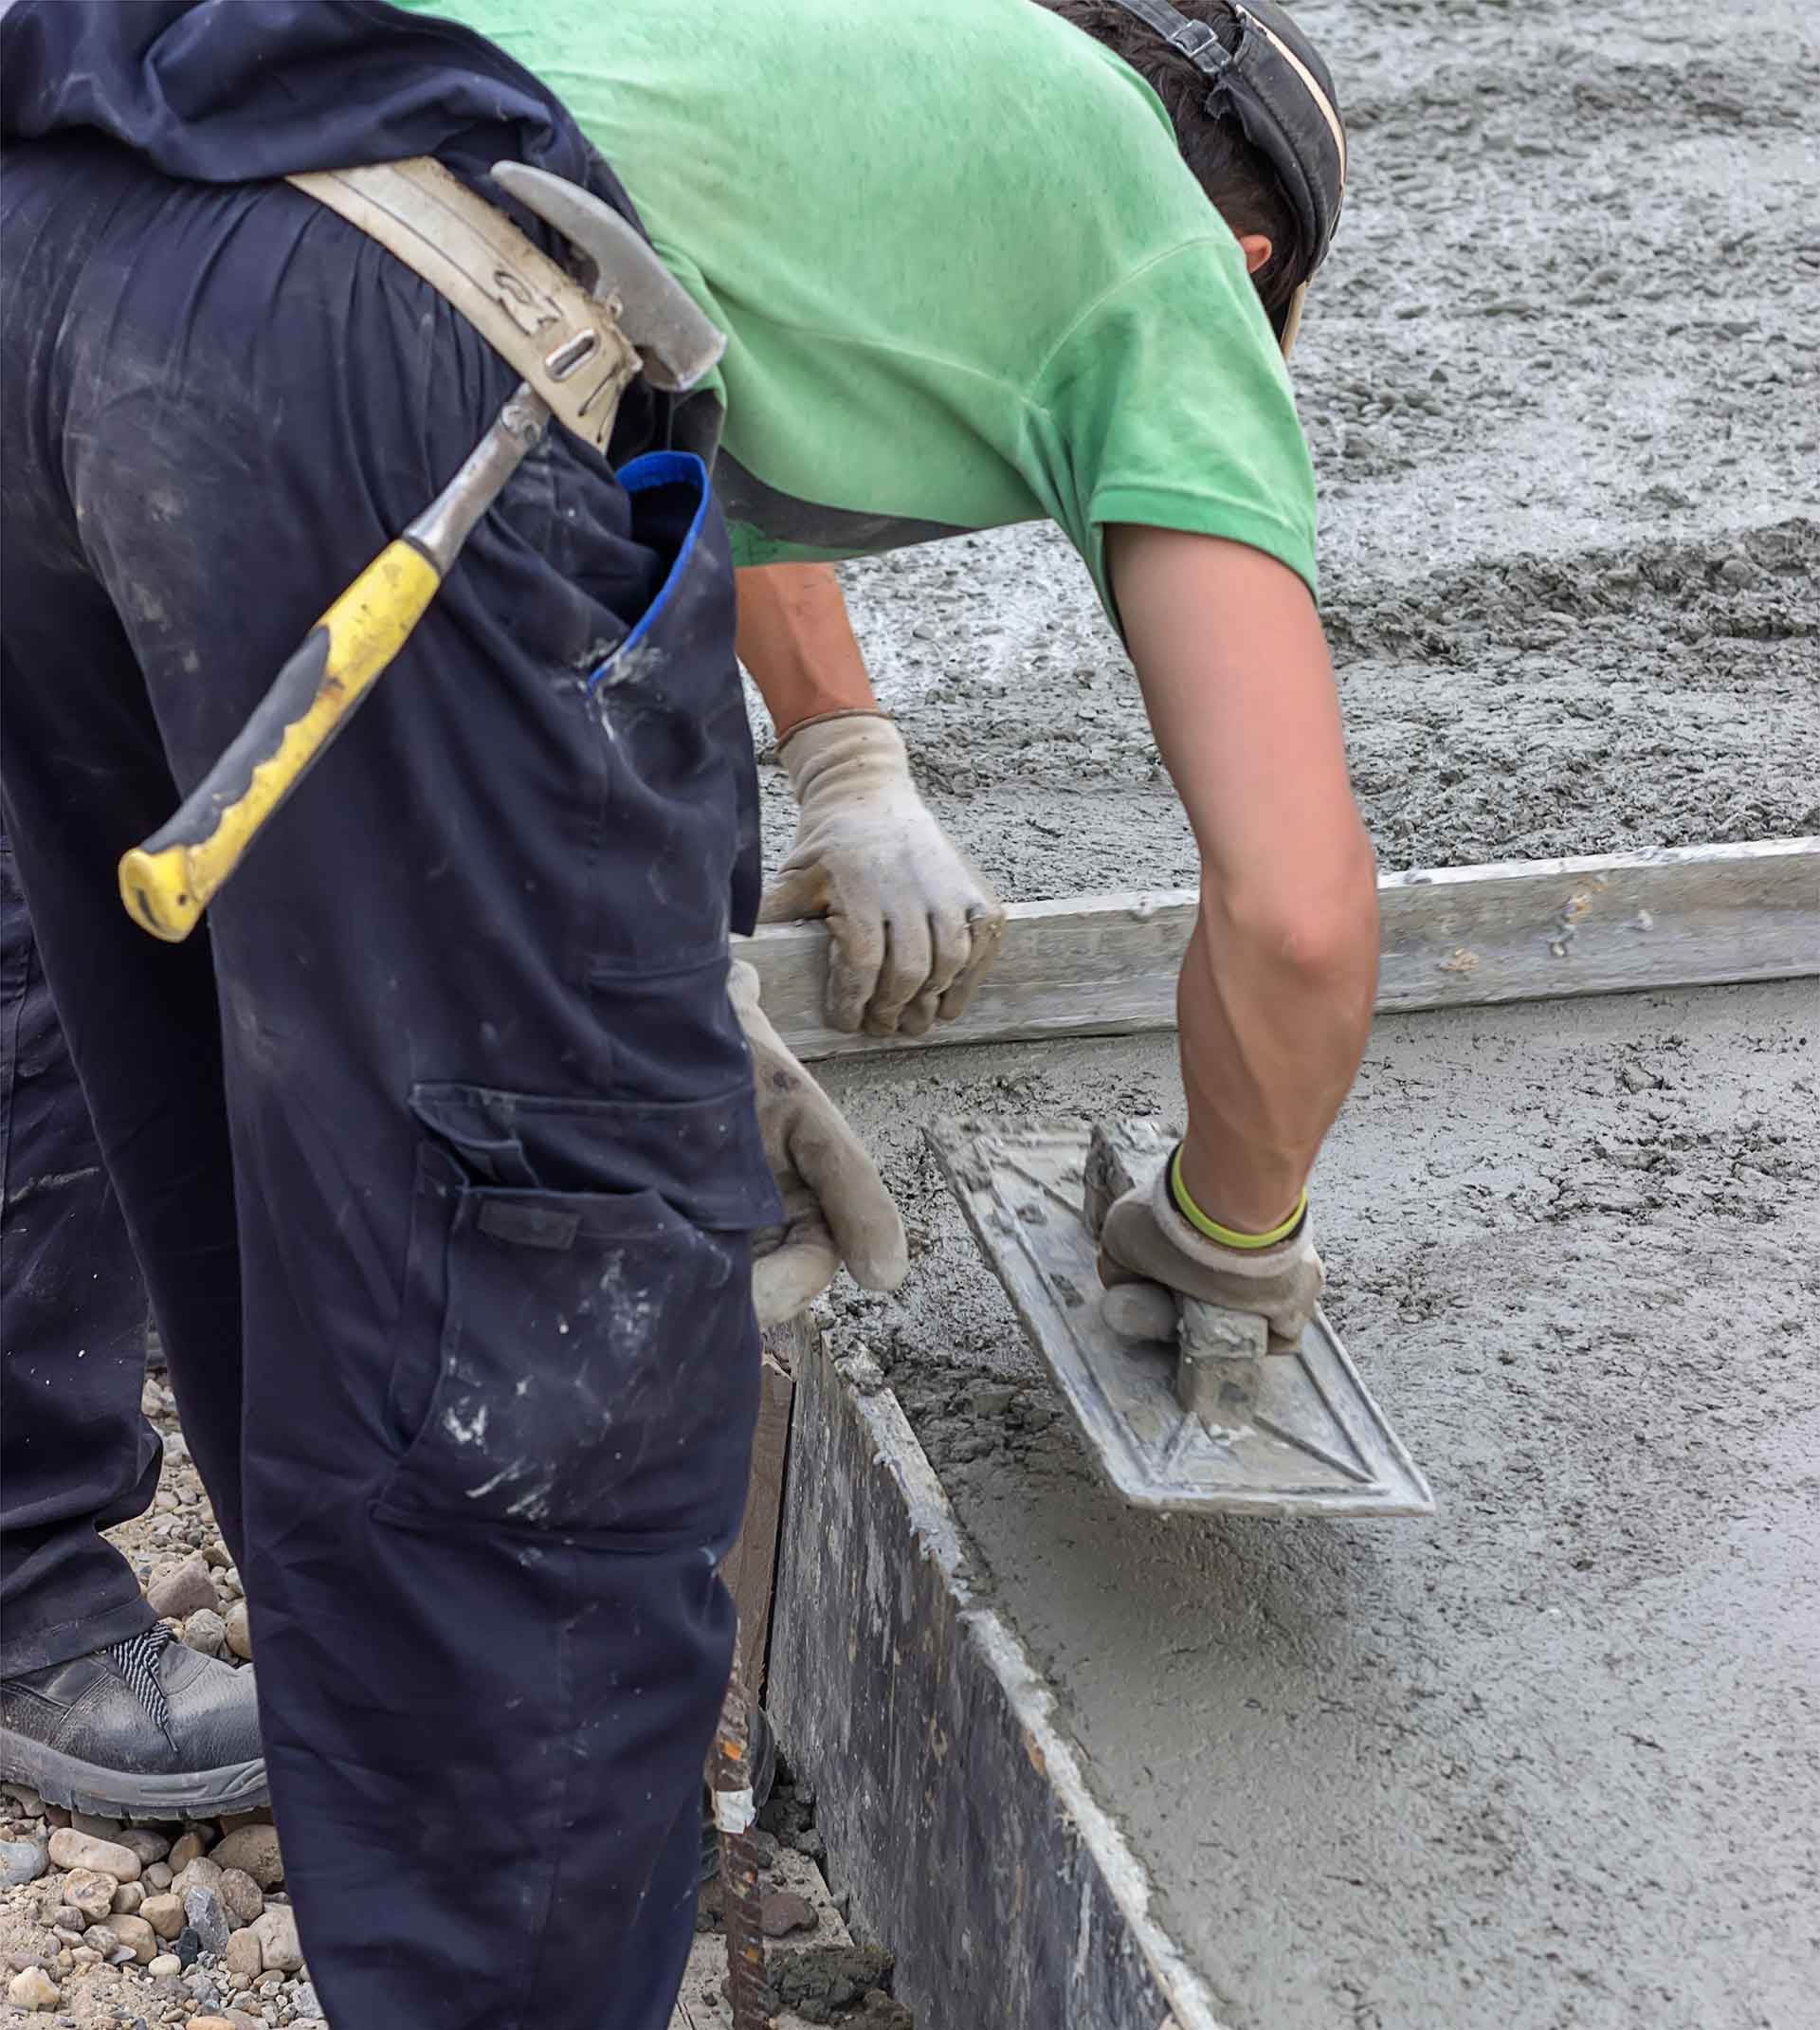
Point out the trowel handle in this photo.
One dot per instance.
(1220, 1361)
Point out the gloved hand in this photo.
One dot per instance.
(912, 925)
(836, 1208)
(1150, 1255)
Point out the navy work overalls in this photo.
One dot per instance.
(438, 1149)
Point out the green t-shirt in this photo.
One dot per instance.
(965, 276)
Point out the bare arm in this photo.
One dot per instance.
(1276, 991)
(797, 642)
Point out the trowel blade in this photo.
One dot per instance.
(1317, 1443)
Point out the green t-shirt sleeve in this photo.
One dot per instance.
(1167, 403)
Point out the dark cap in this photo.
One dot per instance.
(1275, 85)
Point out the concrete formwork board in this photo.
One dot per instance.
(1452, 936)
(956, 1815)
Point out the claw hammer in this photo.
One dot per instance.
(168, 881)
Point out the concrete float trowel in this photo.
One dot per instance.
(1211, 1423)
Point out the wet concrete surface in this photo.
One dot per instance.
(1551, 1759)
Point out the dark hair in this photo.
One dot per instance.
(1238, 180)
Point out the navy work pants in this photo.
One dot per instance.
(437, 1148)
(76, 1455)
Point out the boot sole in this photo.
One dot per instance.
(81, 1787)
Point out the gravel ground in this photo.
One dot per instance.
(55, 1969)
(230, 1957)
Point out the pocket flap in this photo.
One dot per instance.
(704, 1157)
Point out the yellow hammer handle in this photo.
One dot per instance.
(168, 882)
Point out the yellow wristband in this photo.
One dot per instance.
(1228, 1236)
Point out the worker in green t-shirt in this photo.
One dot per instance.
(990, 260)
(970, 275)
(977, 267)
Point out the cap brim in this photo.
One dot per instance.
(1290, 322)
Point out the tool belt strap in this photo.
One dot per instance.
(564, 342)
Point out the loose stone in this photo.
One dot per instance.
(240, 1893)
(89, 1891)
(21, 1862)
(72, 1849)
(206, 1914)
(142, 1840)
(34, 1989)
(276, 1927)
(137, 1934)
(205, 1632)
(782, 1912)
(187, 1850)
(164, 1913)
(244, 1955)
(202, 1872)
(164, 1966)
(182, 1589)
(100, 1828)
(239, 1630)
(128, 1897)
(253, 1848)
(157, 1877)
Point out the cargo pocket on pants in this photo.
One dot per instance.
(595, 1356)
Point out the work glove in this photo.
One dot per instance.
(836, 1208)
(912, 924)
(1150, 1255)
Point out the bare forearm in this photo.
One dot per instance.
(1276, 991)
(797, 642)
(1271, 1041)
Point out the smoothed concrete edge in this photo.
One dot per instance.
(957, 1816)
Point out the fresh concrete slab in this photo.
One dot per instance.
(1552, 1759)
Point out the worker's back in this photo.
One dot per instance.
(964, 269)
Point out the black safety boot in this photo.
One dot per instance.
(144, 1729)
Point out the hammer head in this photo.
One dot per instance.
(676, 343)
